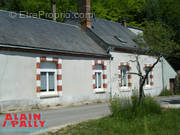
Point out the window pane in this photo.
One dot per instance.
(124, 75)
(51, 81)
(43, 82)
(48, 65)
(148, 78)
(98, 76)
(98, 67)
(99, 80)
(96, 83)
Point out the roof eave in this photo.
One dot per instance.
(20, 48)
(106, 45)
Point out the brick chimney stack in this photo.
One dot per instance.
(85, 13)
(53, 4)
(124, 22)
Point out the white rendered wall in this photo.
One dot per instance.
(168, 72)
(125, 57)
(18, 81)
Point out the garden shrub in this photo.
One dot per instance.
(166, 92)
(130, 108)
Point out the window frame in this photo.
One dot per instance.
(148, 86)
(49, 93)
(121, 79)
(99, 71)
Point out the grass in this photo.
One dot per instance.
(166, 92)
(129, 119)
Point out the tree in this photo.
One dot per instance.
(142, 77)
(158, 40)
(116, 10)
(160, 37)
(167, 11)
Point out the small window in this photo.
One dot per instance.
(47, 81)
(149, 75)
(98, 77)
(120, 39)
(123, 71)
(43, 82)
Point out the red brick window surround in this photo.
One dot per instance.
(96, 74)
(58, 72)
(149, 80)
(125, 79)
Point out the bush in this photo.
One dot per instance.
(166, 92)
(121, 107)
(129, 108)
(177, 88)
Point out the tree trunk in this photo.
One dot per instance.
(141, 92)
(143, 78)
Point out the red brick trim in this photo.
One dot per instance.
(104, 76)
(151, 76)
(55, 60)
(38, 89)
(103, 63)
(105, 85)
(151, 83)
(94, 77)
(38, 65)
(59, 77)
(59, 88)
(58, 67)
(129, 84)
(129, 77)
(38, 77)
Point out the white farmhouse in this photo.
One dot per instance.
(43, 62)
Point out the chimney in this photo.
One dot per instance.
(53, 4)
(85, 13)
(124, 22)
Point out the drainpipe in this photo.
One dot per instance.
(110, 79)
(162, 65)
(108, 50)
(53, 5)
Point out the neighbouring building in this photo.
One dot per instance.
(119, 41)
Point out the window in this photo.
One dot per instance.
(48, 78)
(47, 81)
(148, 79)
(123, 71)
(98, 77)
(120, 39)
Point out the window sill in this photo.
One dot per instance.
(125, 89)
(49, 96)
(99, 91)
(147, 88)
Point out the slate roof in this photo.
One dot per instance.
(107, 30)
(41, 33)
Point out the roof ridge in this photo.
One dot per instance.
(109, 20)
(41, 19)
